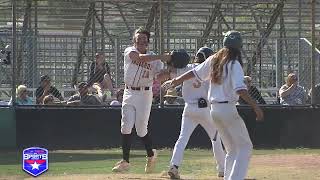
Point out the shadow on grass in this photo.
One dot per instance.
(13, 158)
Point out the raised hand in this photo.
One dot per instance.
(167, 85)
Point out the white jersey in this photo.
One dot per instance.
(232, 81)
(193, 89)
(139, 74)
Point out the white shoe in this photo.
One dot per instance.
(220, 174)
(121, 166)
(151, 162)
(173, 173)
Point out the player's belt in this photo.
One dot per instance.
(137, 88)
(219, 102)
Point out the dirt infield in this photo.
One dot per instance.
(294, 161)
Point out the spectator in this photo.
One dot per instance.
(48, 100)
(22, 97)
(3, 103)
(46, 89)
(83, 97)
(253, 92)
(100, 74)
(171, 97)
(317, 93)
(118, 101)
(291, 93)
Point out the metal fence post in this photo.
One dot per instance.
(312, 64)
(14, 51)
(117, 57)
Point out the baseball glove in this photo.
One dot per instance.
(179, 58)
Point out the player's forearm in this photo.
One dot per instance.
(186, 76)
(246, 97)
(149, 58)
(285, 92)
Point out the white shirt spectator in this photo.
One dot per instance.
(115, 103)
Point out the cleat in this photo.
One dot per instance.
(151, 162)
(220, 174)
(121, 166)
(173, 173)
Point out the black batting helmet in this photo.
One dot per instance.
(232, 39)
(203, 53)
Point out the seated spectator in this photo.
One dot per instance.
(83, 97)
(253, 92)
(118, 101)
(3, 103)
(22, 97)
(315, 90)
(171, 97)
(48, 100)
(291, 93)
(179, 99)
(46, 89)
(100, 75)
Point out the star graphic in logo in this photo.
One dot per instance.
(35, 165)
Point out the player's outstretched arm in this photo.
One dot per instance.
(166, 74)
(178, 80)
(148, 58)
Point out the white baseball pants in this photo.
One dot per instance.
(136, 107)
(236, 140)
(191, 117)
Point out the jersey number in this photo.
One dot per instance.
(145, 74)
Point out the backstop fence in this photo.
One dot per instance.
(66, 57)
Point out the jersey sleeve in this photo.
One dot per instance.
(128, 50)
(202, 71)
(237, 76)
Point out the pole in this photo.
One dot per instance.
(161, 43)
(313, 4)
(13, 51)
(161, 50)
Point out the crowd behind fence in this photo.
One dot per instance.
(56, 56)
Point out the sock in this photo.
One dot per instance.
(147, 144)
(126, 145)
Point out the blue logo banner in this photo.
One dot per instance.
(35, 160)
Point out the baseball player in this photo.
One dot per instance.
(196, 111)
(139, 73)
(224, 70)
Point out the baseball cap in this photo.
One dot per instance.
(232, 39)
(205, 52)
(44, 78)
(82, 85)
(171, 93)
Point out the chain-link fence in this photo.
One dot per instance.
(57, 55)
(54, 61)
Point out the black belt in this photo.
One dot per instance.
(223, 102)
(138, 88)
(219, 102)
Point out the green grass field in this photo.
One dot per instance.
(198, 164)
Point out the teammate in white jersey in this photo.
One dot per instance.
(139, 73)
(224, 70)
(196, 111)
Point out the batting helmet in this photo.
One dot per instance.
(232, 39)
(179, 58)
(203, 53)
